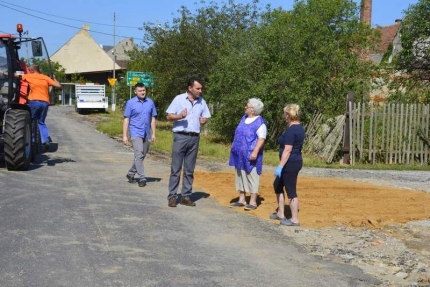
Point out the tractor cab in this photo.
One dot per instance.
(19, 135)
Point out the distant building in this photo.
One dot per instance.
(119, 53)
(390, 43)
(390, 35)
(82, 55)
(390, 39)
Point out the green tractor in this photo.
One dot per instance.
(19, 134)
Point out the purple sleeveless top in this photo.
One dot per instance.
(245, 139)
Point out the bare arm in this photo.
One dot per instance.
(125, 130)
(153, 123)
(285, 155)
(175, 117)
(203, 120)
(56, 83)
(258, 146)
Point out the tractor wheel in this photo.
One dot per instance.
(17, 139)
(36, 141)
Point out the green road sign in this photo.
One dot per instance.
(140, 77)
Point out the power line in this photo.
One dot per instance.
(55, 22)
(102, 24)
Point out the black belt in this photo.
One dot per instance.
(188, 134)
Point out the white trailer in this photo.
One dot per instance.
(90, 97)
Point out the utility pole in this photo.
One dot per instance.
(114, 57)
(26, 47)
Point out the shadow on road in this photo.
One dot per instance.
(50, 161)
(153, 179)
(195, 196)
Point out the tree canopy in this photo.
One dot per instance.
(302, 56)
(411, 76)
(311, 55)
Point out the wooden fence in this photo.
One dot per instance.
(388, 133)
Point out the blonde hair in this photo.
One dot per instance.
(293, 111)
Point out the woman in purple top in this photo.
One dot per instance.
(246, 153)
(291, 162)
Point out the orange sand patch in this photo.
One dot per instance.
(327, 201)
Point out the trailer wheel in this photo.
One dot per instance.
(17, 139)
(76, 109)
(36, 141)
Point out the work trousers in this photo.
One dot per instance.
(184, 152)
(140, 147)
(39, 111)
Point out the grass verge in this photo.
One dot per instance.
(210, 149)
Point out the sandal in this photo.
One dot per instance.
(250, 207)
(237, 204)
(275, 216)
(288, 222)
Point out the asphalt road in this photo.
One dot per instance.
(74, 220)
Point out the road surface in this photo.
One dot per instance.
(74, 220)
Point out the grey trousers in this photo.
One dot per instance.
(184, 152)
(140, 147)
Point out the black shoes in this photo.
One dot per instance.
(46, 146)
(130, 179)
(142, 183)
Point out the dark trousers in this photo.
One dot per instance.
(184, 152)
(289, 175)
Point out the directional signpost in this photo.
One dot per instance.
(140, 77)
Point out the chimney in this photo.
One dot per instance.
(86, 27)
(366, 12)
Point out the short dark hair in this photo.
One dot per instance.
(193, 79)
(139, 85)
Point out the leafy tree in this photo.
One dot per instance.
(189, 46)
(77, 78)
(415, 32)
(412, 75)
(56, 68)
(139, 61)
(303, 56)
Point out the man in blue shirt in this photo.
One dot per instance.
(187, 112)
(139, 118)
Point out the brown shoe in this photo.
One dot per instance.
(172, 202)
(187, 201)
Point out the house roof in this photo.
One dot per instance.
(121, 50)
(81, 54)
(388, 33)
(106, 48)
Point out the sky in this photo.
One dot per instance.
(58, 21)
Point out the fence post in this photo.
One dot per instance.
(347, 128)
